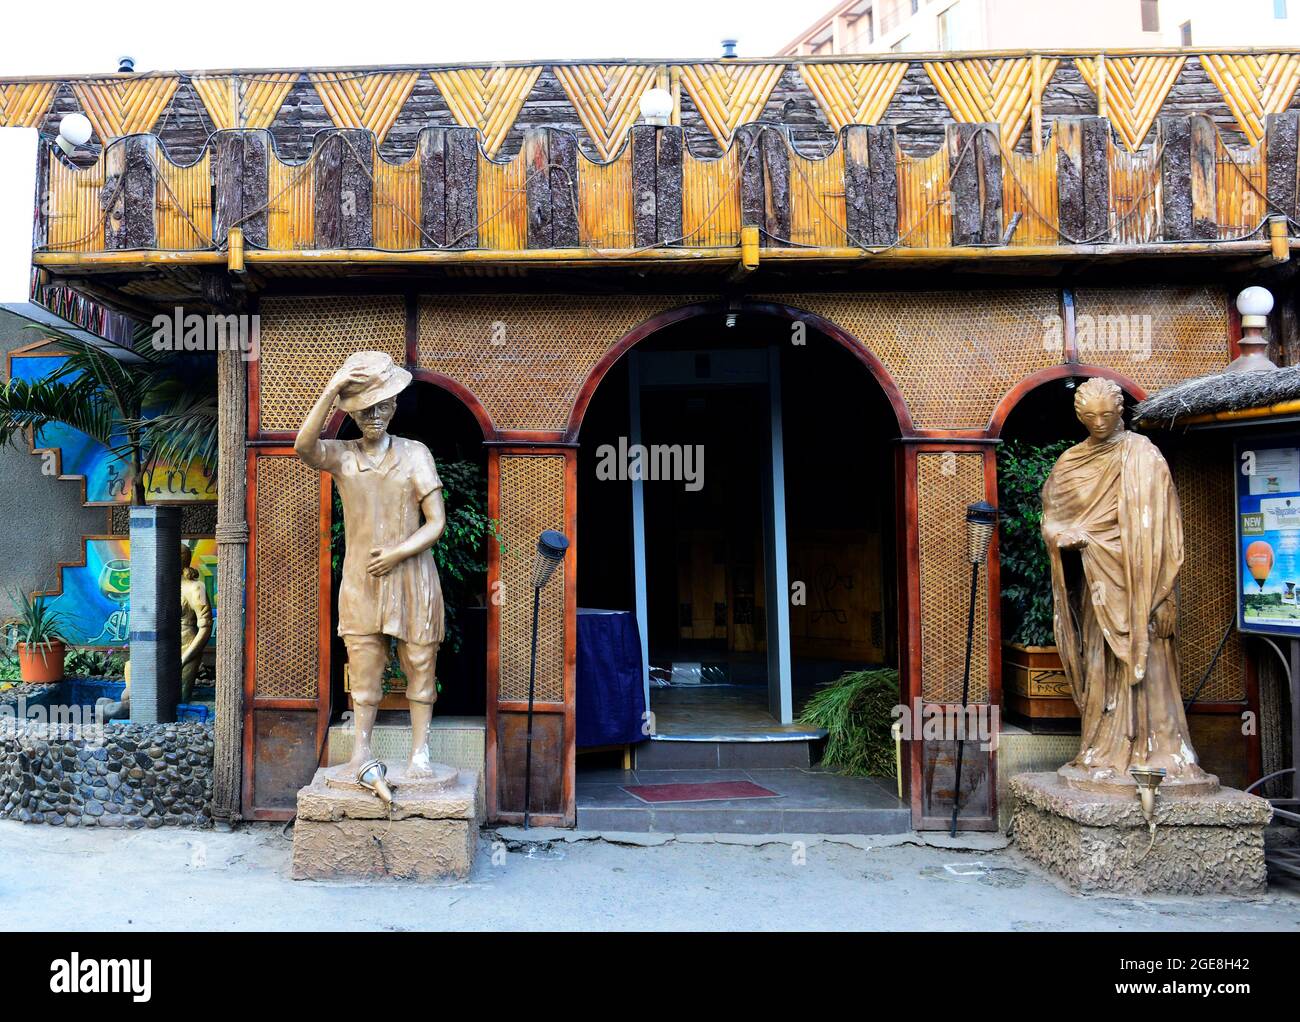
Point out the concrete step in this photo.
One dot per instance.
(664, 753)
(809, 802)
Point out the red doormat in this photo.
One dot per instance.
(703, 791)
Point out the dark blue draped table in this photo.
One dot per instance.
(611, 697)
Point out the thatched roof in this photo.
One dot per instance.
(1220, 392)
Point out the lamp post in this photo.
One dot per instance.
(551, 547)
(981, 520)
(1254, 304)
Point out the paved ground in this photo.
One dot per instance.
(52, 879)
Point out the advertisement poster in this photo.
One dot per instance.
(1268, 536)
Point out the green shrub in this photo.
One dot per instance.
(1023, 468)
(856, 712)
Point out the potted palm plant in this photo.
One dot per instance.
(36, 635)
(1033, 684)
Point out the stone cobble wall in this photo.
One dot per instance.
(118, 775)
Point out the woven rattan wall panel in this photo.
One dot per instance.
(946, 482)
(1154, 336)
(287, 582)
(304, 340)
(1204, 479)
(526, 356)
(532, 499)
(986, 340)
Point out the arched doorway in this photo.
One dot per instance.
(728, 454)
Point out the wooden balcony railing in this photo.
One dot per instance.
(1084, 193)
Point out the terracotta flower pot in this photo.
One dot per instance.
(41, 665)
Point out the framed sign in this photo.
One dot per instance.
(1268, 535)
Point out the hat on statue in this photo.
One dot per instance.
(386, 380)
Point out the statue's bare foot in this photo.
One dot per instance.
(360, 758)
(420, 765)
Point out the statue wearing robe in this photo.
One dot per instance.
(1114, 534)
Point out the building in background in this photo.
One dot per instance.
(918, 26)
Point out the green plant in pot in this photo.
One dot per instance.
(1034, 686)
(36, 636)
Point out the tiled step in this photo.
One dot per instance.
(810, 802)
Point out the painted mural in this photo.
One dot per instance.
(108, 477)
(96, 599)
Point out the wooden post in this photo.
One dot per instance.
(670, 151)
(746, 143)
(537, 163)
(776, 186)
(431, 147)
(1204, 160)
(462, 187)
(1083, 178)
(232, 540)
(870, 184)
(1036, 103)
(1280, 142)
(327, 181)
(644, 185)
(130, 193)
(1174, 138)
(975, 160)
(240, 186)
(344, 203)
(563, 172)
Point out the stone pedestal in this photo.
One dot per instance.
(1204, 844)
(344, 831)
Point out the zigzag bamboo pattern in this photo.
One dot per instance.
(853, 93)
(486, 98)
(23, 105)
(729, 95)
(124, 106)
(233, 101)
(606, 98)
(365, 101)
(990, 91)
(1130, 90)
(1254, 86)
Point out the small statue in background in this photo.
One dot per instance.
(196, 622)
(1114, 534)
(196, 628)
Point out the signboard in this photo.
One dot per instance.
(1268, 536)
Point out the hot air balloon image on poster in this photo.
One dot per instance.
(1259, 559)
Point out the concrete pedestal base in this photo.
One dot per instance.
(344, 832)
(1204, 844)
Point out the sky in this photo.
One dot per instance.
(54, 37)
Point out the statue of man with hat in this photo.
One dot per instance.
(392, 514)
